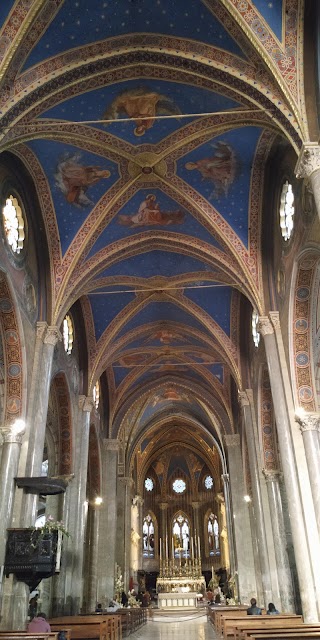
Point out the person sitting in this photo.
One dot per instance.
(254, 610)
(99, 608)
(272, 611)
(124, 599)
(39, 624)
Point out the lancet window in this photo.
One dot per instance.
(213, 535)
(148, 537)
(181, 536)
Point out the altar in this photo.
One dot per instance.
(177, 600)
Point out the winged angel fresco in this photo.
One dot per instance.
(149, 214)
(140, 103)
(220, 168)
(74, 179)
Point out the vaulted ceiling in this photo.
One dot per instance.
(146, 127)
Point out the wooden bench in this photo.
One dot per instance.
(290, 630)
(287, 634)
(232, 625)
(215, 612)
(105, 626)
(220, 615)
(21, 635)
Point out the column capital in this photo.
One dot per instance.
(225, 478)
(195, 505)
(41, 330)
(137, 501)
(273, 475)
(264, 326)
(9, 436)
(163, 505)
(232, 440)
(127, 481)
(243, 399)
(275, 319)
(308, 422)
(309, 160)
(110, 444)
(86, 403)
(52, 336)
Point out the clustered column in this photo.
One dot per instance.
(279, 536)
(256, 496)
(108, 522)
(309, 426)
(244, 563)
(282, 399)
(8, 470)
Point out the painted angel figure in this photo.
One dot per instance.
(220, 168)
(140, 103)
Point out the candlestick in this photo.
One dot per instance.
(160, 550)
(167, 555)
(172, 549)
(192, 547)
(199, 547)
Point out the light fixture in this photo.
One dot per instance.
(98, 500)
(247, 498)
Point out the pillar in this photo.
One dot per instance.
(308, 166)
(244, 561)
(282, 400)
(226, 492)
(108, 522)
(164, 533)
(8, 470)
(94, 513)
(196, 529)
(309, 427)
(47, 338)
(123, 551)
(256, 496)
(75, 517)
(279, 536)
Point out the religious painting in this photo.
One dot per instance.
(220, 168)
(141, 105)
(150, 214)
(166, 337)
(74, 179)
(171, 394)
(132, 359)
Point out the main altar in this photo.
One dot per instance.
(180, 581)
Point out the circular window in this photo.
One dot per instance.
(67, 334)
(179, 485)
(96, 394)
(13, 223)
(148, 483)
(255, 332)
(286, 210)
(208, 482)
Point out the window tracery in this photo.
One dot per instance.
(255, 332)
(148, 536)
(286, 210)
(68, 335)
(13, 223)
(213, 535)
(181, 536)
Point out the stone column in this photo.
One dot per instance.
(108, 522)
(308, 166)
(135, 539)
(281, 401)
(244, 559)
(94, 513)
(76, 511)
(310, 426)
(123, 551)
(196, 528)
(226, 492)
(47, 338)
(8, 471)
(279, 536)
(257, 497)
(164, 533)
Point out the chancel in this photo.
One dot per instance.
(159, 311)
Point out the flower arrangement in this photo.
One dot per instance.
(49, 526)
(118, 584)
(132, 600)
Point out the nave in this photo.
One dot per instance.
(178, 626)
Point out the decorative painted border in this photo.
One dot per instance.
(12, 354)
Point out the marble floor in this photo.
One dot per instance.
(176, 626)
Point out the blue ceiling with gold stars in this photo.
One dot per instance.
(146, 127)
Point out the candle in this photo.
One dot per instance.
(191, 547)
(160, 551)
(212, 572)
(167, 555)
(199, 547)
(172, 549)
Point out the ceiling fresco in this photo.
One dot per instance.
(146, 127)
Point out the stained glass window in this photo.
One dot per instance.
(96, 394)
(67, 334)
(13, 224)
(286, 210)
(148, 483)
(208, 482)
(255, 332)
(148, 537)
(179, 485)
(213, 535)
(181, 536)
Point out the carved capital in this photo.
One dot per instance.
(275, 319)
(225, 478)
(243, 399)
(195, 505)
(52, 336)
(128, 482)
(111, 444)
(137, 501)
(9, 436)
(264, 326)
(309, 160)
(163, 506)
(86, 403)
(232, 440)
(41, 330)
(272, 476)
(308, 422)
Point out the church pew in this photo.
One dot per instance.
(289, 630)
(227, 613)
(304, 634)
(214, 613)
(230, 624)
(238, 630)
(90, 627)
(22, 635)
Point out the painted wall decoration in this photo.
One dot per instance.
(220, 168)
(140, 103)
(74, 179)
(149, 213)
